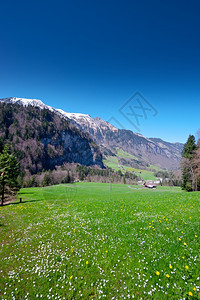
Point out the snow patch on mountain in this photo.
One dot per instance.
(27, 102)
(87, 120)
(74, 115)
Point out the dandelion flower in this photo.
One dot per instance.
(185, 244)
(195, 235)
(179, 239)
(194, 289)
(157, 273)
(167, 275)
(186, 267)
(71, 277)
(190, 294)
(87, 262)
(170, 266)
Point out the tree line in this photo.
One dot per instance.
(12, 177)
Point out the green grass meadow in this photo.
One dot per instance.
(100, 241)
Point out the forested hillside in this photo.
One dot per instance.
(42, 139)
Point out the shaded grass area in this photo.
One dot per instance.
(92, 241)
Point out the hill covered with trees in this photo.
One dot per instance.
(42, 139)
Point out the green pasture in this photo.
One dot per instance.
(100, 241)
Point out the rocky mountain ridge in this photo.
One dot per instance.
(147, 150)
(153, 151)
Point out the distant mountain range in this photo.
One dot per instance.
(143, 151)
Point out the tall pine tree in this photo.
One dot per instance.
(188, 174)
(9, 171)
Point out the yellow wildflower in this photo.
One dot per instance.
(186, 267)
(190, 294)
(87, 262)
(157, 273)
(167, 275)
(194, 289)
(170, 266)
(71, 277)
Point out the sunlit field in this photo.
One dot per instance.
(97, 241)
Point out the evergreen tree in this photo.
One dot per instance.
(189, 148)
(47, 179)
(188, 175)
(124, 179)
(9, 171)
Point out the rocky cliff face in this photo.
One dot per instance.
(152, 151)
(43, 139)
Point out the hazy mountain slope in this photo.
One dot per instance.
(152, 151)
(43, 139)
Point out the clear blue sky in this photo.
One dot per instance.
(92, 56)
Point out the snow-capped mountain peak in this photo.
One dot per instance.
(26, 102)
(78, 119)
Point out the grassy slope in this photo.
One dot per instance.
(87, 240)
(121, 153)
(112, 162)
